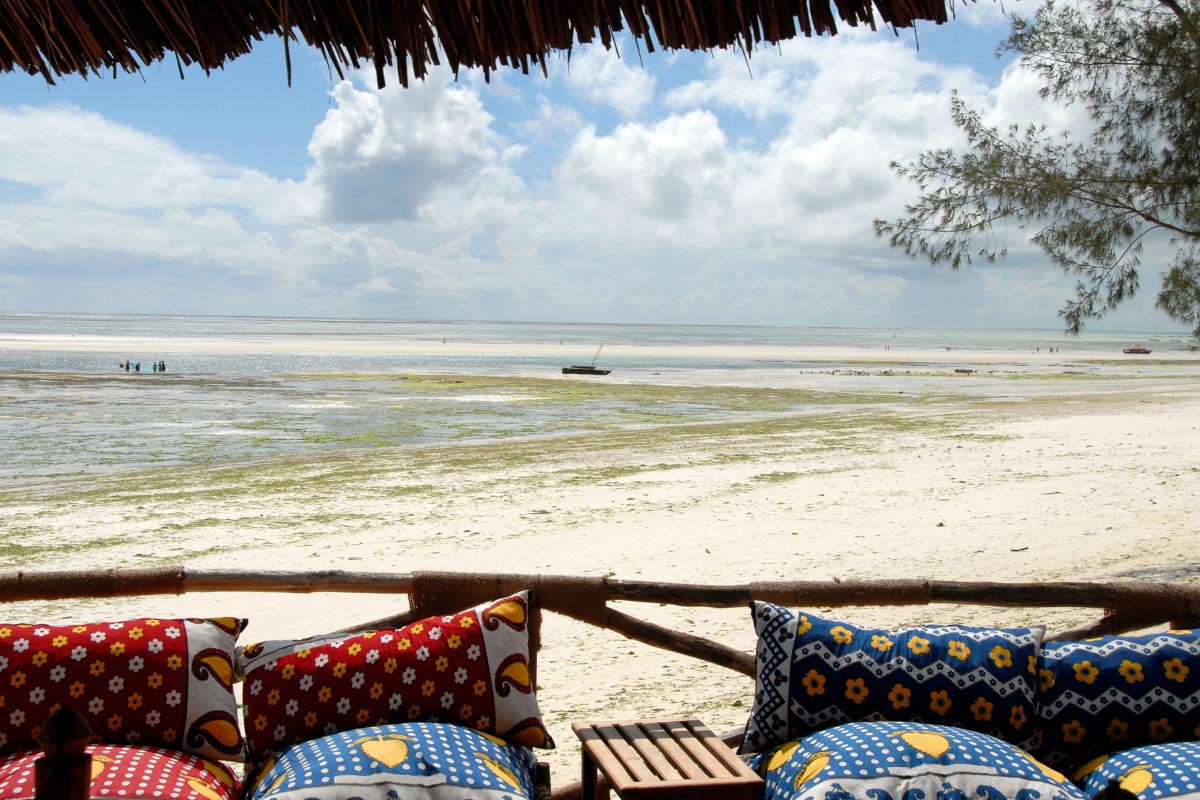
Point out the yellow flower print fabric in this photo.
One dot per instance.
(1116, 692)
(812, 673)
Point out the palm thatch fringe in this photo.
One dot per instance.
(60, 37)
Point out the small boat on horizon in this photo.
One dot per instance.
(587, 369)
(1136, 349)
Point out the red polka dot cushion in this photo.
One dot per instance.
(131, 773)
(164, 682)
(470, 668)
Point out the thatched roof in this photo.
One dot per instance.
(60, 37)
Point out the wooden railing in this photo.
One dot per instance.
(1124, 607)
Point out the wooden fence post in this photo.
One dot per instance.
(64, 772)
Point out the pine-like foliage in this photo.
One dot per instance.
(1089, 199)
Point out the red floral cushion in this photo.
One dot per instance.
(161, 682)
(131, 773)
(470, 668)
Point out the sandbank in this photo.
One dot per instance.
(898, 354)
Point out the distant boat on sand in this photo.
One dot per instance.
(587, 369)
(1136, 349)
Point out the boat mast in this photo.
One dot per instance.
(598, 349)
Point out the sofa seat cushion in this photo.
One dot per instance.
(1151, 772)
(906, 760)
(414, 761)
(127, 772)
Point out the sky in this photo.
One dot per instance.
(686, 188)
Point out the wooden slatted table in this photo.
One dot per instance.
(671, 759)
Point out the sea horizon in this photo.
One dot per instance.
(42, 341)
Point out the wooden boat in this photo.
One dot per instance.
(587, 369)
(584, 370)
(1136, 349)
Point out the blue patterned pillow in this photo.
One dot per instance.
(1116, 692)
(413, 760)
(812, 673)
(906, 760)
(1154, 771)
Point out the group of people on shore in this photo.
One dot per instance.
(156, 366)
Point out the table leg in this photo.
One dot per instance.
(589, 777)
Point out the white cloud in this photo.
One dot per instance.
(845, 109)
(375, 285)
(727, 84)
(549, 122)
(601, 76)
(1016, 102)
(738, 198)
(995, 14)
(77, 157)
(383, 154)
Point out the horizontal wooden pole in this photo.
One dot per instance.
(67, 584)
(1174, 601)
(886, 592)
(299, 582)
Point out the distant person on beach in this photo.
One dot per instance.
(137, 367)
(162, 366)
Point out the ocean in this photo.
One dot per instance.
(576, 339)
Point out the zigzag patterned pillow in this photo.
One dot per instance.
(1116, 692)
(813, 673)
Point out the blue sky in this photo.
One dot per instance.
(672, 188)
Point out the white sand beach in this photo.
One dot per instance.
(1038, 473)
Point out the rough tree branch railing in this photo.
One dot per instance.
(1126, 606)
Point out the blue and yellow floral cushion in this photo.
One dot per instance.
(413, 761)
(1115, 692)
(1150, 772)
(813, 673)
(895, 760)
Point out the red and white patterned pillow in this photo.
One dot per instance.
(165, 682)
(131, 773)
(470, 668)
